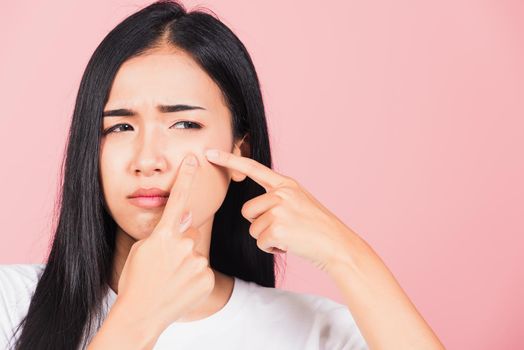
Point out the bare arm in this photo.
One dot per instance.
(121, 330)
(383, 312)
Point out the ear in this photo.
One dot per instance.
(241, 149)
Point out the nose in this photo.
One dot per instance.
(150, 155)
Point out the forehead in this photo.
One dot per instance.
(162, 78)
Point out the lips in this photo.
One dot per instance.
(149, 202)
(149, 198)
(149, 192)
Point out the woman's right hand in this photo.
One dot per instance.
(163, 277)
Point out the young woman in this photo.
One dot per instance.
(160, 244)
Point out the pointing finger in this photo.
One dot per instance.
(263, 175)
(176, 205)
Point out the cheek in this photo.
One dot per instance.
(208, 191)
(212, 181)
(111, 167)
(111, 175)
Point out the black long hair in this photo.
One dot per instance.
(68, 297)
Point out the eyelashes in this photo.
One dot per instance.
(111, 129)
(194, 124)
(117, 126)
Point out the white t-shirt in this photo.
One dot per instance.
(255, 317)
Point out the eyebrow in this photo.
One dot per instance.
(124, 112)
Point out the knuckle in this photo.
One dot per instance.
(186, 245)
(251, 230)
(260, 244)
(280, 193)
(275, 230)
(200, 263)
(205, 280)
(284, 193)
(209, 278)
(291, 182)
(288, 182)
(278, 197)
(273, 212)
(245, 210)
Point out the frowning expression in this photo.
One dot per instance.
(161, 106)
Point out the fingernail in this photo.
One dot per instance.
(186, 217)
(185, 223)
(191, 160)
(212, 153)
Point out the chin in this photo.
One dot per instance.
(137, 229)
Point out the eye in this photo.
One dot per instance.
(192, 125)
(195, 125)
(114, 127)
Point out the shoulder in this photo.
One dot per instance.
(17, 285)
(302, 303)
(18, 280)
(328, 321)
(21, 272)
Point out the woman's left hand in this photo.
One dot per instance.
(287, 218)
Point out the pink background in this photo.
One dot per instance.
(405, 118)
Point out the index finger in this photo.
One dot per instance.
(176, 204)
(264, 176)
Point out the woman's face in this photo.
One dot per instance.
(147, 150)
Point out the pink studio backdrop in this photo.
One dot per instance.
(404, 118)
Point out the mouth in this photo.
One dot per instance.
(149, 202)
(150, 192)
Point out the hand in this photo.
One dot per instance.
(163, 277)
(287, 218)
